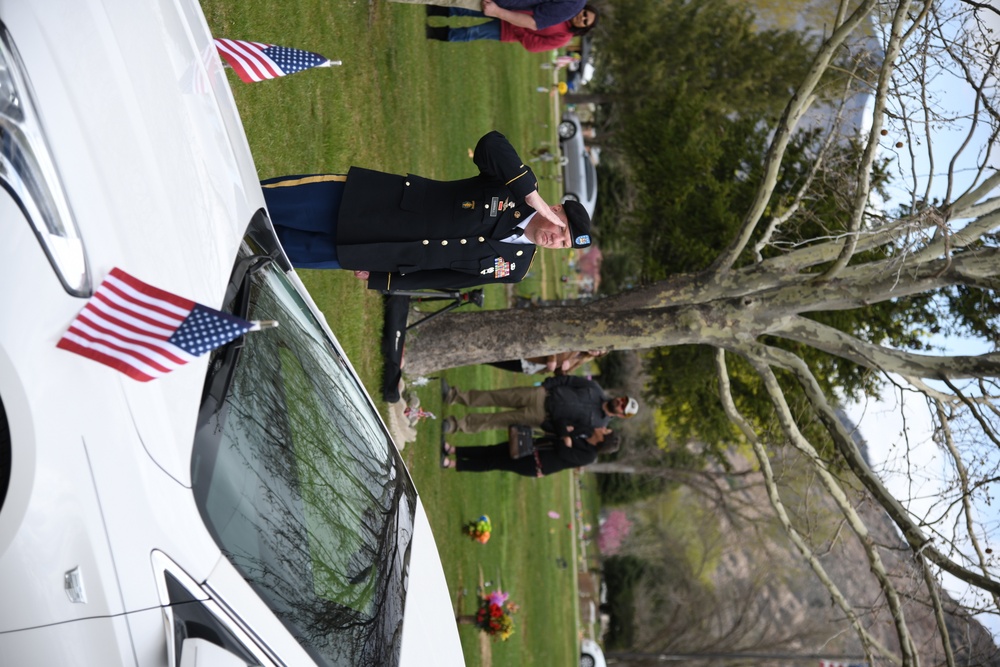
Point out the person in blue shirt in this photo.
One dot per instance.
(540, 14)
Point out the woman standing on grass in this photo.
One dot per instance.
(551, 455)
(531, 14)
(534, 40)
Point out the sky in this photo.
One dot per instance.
(897, 428)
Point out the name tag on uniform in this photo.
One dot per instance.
(497, 207)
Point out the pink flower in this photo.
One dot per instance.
(497, 597)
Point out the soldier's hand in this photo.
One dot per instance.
(535, 201)
(489, 7)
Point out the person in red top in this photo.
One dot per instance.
(544, 39)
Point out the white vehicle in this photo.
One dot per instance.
(591, 654)
(248, 508)
(578, 170)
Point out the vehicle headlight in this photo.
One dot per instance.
(29, 174)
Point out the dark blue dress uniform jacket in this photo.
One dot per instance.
(412, 232)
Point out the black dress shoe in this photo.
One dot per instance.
(440, 34)
(434, 10)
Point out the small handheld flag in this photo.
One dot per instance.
(146, 332)
(253, 61)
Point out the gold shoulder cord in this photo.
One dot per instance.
(516, 177)
(322, 178)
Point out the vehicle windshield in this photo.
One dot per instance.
(299, 484)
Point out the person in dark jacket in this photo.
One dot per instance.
(551, 454)
(410, 232)
(566, 405)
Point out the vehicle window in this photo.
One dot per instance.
(301, 487)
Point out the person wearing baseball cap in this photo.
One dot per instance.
(624, 407)
(565, 405)
(632, 407)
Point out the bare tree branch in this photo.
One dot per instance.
(863, 186)
(869, 642)
(814, 169)
(966, 492)
(910, 530)
(910, 364)
(796, 107)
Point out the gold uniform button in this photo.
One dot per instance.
(520, 252)
(463, 241)
(481, 239)
(426, 242)
(407, 183)
(444, 243)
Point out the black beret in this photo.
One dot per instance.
(579, 223)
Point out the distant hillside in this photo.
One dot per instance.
(725, 578)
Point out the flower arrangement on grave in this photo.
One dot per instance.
(495, 615)
(479, 529)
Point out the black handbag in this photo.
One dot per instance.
(521, 441)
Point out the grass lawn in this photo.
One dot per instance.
(401, 103)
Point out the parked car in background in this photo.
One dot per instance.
(591, 654)
(578, 171)
(248, 508)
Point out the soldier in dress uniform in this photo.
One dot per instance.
(410, 232)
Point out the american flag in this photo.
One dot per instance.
(144, 331)
(253, 61)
